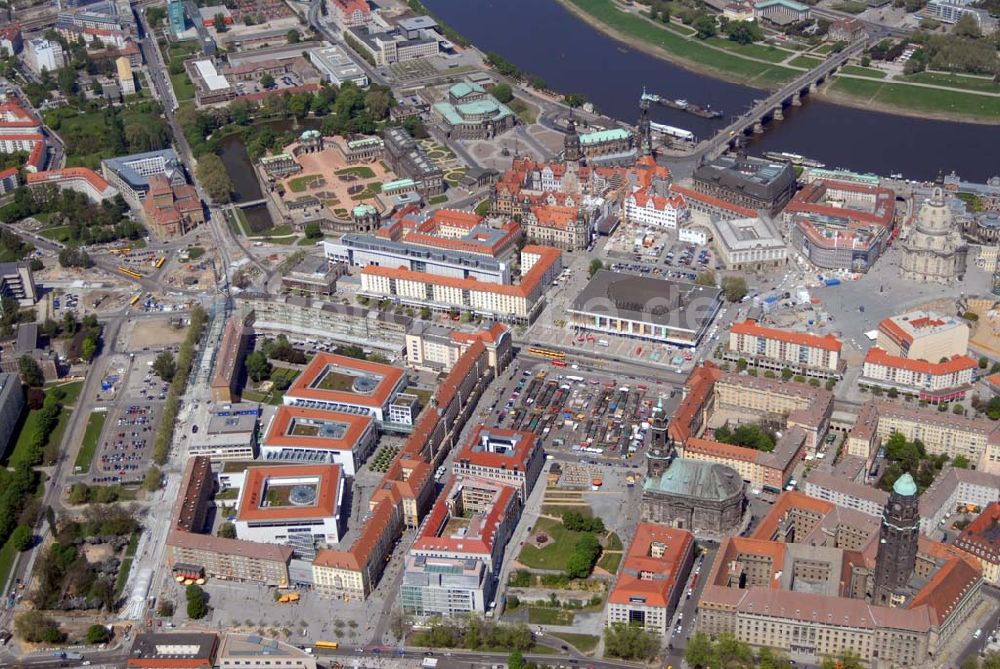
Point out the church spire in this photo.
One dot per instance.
(572, 151)
(645, 128)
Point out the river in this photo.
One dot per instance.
(543, 38)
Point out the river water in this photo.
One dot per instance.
(543, 38)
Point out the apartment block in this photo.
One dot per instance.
(934, 382)
(776, 349)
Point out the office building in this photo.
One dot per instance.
(435, 348)
(296, 505)
(240, 651)
(747, 244)
(11, 407)
(392, 46)
(776, 349)
(953, 489)
(126, 78)
(643, 308)
(651, 579)
(506, 456)
(131, 174)
(228, 368)
(762, 470)
(337, 66)
(80, 179)
(42, 55)
(351, 13)
(313, 436)
(231, 434)
(518, 303)
(846, 493)
(173, 650)
(176, 17)
(976, 439)
(981, 541)
(923, 335)
(347, 385)
(753, 183)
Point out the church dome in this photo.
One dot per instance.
(905, 486)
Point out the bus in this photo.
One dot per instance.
(546, 353)
(135, 299)
(327, 644)
(129, 272)
(159, 262)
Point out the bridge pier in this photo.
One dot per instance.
(758, 128)
(778, 114)
(812, 87)
(797, 100)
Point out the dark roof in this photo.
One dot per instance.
(176, 645)
(675, 304)
(27, 339)
(764, 179)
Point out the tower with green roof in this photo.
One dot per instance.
(897, 547)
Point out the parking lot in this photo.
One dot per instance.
(126, 444)
(577, 412)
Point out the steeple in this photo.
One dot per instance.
(645, 128)
(897, 547)
(572, 151)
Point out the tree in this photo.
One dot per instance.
(74, 256)
(258, 368)
(165, 366)
(31, 372)
(36, 627)
(165, 608)
(503, 93)
(97, 634)
(705, 278)
(846, 660)
(313, 231)
(984, 362)
(292, 36)
(745, 32)
(731, 652)
(151, 482)
(705, 25)
(155, 16)
(226, 531)
(699, 650)
(21, 538)
(960, 461)
(630, 642)
(212, 176)
(574, 99)
(595, 266)
(516, 661)
(219, 22)
(967, 26)
(197, 607)
(88, 348)
(768, 658)
(734, 288)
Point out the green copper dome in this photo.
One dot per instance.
(905, 486)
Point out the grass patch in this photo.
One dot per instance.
(544, 615)
(305, 241)
(955, 81)
(609, 562)
(195, 252)
(299, 184)
(90, 439)
(122, 577)
(29, 427)
(771, 54)
(859, 71)
(71, 391)
(556, 551)
(919, 99)
(59, 233)
(183, 88)
(614, 543)
(362, 171)
(824, 48)
(805, 62)
(281, 375)
(850, 6)
(7, 556)
(557, 510)
(370, 191)
(528, 114)
(438, 199)
(725, 63)
(585, 643)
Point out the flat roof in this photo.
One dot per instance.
(213, 80)
(289, 492)
(315, 428)
(497, 447)
(674, 304)
(372, 383)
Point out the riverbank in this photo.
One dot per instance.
(852, 91)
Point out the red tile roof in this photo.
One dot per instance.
(697, 390)
(303, 387)
(479, 536)
(278, 433)
(653, 578)
(715, 202)
(517, 460)
(251, 506)
(67, 174)
(750, 328)
(956, 363)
